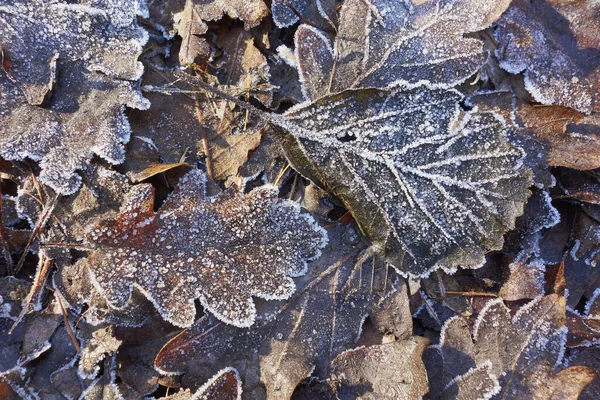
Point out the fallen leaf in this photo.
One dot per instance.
(428, 188)
(589, 357)
(524, 281)
(198, 247)
(292, 339)
(387, 371)
(522, 353)
(191, 26)
(90, 83)
(584, 329)
(556, 45)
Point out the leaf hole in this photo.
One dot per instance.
(346, 138)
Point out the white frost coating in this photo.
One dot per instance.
(26, 392)
(314, 61)
(203, 392)
(222, 250)
(487, 365)
(563, 346)
(483, 313)
(591, 301)
(287, 55)
(392, 135)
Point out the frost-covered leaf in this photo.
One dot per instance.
(72, 71)
(294, 339)
(385, 43)
(222, 250)
(387, 371)
(225, 385)
(557, 45)
(524, 281)
(430, 187)
(523, 352)
(98, 341)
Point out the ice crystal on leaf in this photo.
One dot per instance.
(431, 187)
(520, 353)
(385, 43)
(222, 250)
(70, 73)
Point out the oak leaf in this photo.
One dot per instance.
(83, 57)
(222, 250)
(517, 356)
(296, 338)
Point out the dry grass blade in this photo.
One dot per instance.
(36, 289)
(44, 217)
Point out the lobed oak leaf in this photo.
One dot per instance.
(73, 70)
(521, 354)
(297, 338)
(222, 250)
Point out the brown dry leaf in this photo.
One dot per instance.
(551, 135)
(143, 160)
(589, 357)
(222, 250)
(521, 354)
(581, 262)
(299, 337)
(568, 148)
(524, 281)
(387, 371)
(557, 44)
(584, 329)
(204, 130)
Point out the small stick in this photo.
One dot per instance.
(68, 325)
(3, 241)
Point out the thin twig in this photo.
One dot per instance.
(68, 325)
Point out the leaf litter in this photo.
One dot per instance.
(388, 127)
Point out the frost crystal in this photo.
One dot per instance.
(221, 250)
(420, 178)
(71, 71)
